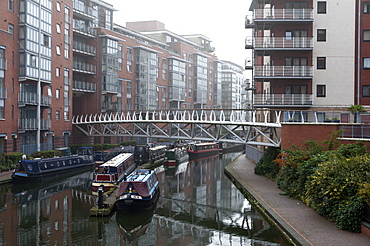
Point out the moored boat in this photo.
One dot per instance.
(102, 156)
(113, 171)
(49, 168)
(146, 154)
(201, 150)
(140, 191)
(174, 157)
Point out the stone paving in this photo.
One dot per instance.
(301, 223)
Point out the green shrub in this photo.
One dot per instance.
(349, 214)
(267, 166)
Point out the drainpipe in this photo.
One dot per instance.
(358, 50)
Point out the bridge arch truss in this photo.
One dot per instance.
(253, 127)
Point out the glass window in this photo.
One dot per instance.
(366, 63)
(321, 34)
(57, 93)
(11, 5)
(46, 40)
(58, 28)
(321, 90)
(321, 62)
(58, 50)
(57, 72)
(366, 7)
(366, 35)
(57, 115)
(11, 30)
(321, 7)
(58, 6)
(366, 90)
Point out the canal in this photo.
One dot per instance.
(198, 205)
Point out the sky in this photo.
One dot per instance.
(222, 22)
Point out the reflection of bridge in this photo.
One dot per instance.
(233, 126)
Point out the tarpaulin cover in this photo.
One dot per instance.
(140, 187)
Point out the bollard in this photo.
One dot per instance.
(100, 196)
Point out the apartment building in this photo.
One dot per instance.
(309, 54)
(65, 58)
(232, 85)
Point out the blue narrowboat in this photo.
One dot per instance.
(140, 191)
(49, 168)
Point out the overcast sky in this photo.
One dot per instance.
(220, 21)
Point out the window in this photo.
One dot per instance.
(46, 40)
(321, 7)
(11, 30)
(366, 90)
(321, 62)
(58, 6)
(366, 35)
(366, 63)
(321, 90)
(366, 7)
(11, 5)
(57, 72)
(58, 50)
(57, 115)
(58, 28)
(57, 93)
(321, 34)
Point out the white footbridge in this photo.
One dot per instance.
(252, 127)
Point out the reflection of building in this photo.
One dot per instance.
(302, 60)
(68, 58)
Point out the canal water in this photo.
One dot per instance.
(198, 205)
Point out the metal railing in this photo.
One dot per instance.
(81, 7)
(32, 148)
(279, 42)
(32, 98)
(32, 124)
(84, 86)
(282, 99)
(84, 48)
(283, 71)
(283, 14)
(83, 28)
(354, 131)
(82, 66)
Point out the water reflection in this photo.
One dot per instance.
(198, 205)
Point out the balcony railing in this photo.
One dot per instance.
(84, 86)
(32, 124)
(32, 98)
(2, 63)
(80, 7)
(282, 99)
(3, 93)
(84, 48)
(84, 67)
(81, 27)
(279, 42)
(283, 14)
(283, 71)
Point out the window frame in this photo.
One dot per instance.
(366, 63)
(366, 8)
(363, 35)
(321, 37)
(320, 90)
(321, 9)
(321, 64)
(368, 90)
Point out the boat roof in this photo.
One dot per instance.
(209, 143)
(117, 160)
(158, 147)
(140, 175)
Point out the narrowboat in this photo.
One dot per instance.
(113, 171)
(201, 150)
(102, 156)
(140, 191)
(146, 154)
(174, 157)
(50, 168)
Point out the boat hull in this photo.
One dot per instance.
(133, 205)
(193, 155)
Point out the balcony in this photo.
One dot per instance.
(282, 99)
(279, 43)
(249, 21)
(84, 48)
(276, 72)
(83, 86)
(80, 9)
(109, 106)
(30, 98)
(3, 93)
(32, 124)
(84, 67)
(283, 14)
(2, 64)
(81, 28)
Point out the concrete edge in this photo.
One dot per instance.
(290, 235)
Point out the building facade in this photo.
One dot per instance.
(309, 54)
(65, 58)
